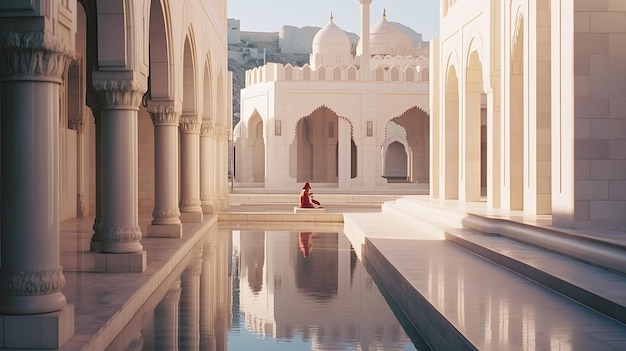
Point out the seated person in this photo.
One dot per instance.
(306, 200)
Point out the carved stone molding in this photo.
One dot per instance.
(190, 203)
(164, 115)
(118, 94)
(31, 283)
(222, 134)
(76, 124)
(39, 56)
(121, 234)
(162, 213)
(189, 125)
(205, 129)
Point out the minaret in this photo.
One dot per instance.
(365, 39)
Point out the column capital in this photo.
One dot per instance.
(189, 125)
(34, 56)
(223, 133)
(122, 94)
(164, 115)
(205, 129)
(368, 2)
(76, 124)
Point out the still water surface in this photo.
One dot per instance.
(269, 290)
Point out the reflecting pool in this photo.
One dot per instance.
(269, 290)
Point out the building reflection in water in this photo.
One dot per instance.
(306, 290)
(313, 294)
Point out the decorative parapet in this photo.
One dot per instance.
(39, 56)
(119, 94)
(408, 68)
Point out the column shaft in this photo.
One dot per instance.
(344, 161)
(96, 238)
(166, 221)
(190, 170)
(30, 270)
(205, 169)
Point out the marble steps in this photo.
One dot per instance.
(585, 269)
(459, 300)
(252, 199)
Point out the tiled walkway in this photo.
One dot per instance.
(444, 287)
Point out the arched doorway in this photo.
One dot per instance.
(326, 151)
(256, 147)
(412, 131)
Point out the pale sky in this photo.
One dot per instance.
(270, 15)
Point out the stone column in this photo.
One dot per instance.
(345, 153)
(96, 238)
(166, 320)
(118, 102)
(213, 151)
(189, 324)
(190, 209)
(79, 126)
(31, 276)
(205, 169)
(222, 165)
(166, 216)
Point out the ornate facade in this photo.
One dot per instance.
(344, 121)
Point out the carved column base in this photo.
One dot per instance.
(194, 216)
(165, 230)
(37, 331)
(120, 263)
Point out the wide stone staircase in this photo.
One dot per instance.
(469, 279)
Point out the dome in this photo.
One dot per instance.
(331, 40)
(387, 39)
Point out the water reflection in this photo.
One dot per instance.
(272, 290)
(313, 294)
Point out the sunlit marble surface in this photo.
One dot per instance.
(494, 308)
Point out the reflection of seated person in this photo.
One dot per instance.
(305, 242)
(306, 197)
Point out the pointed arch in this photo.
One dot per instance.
(160, 53)
(317, 140)
(412, 130)
(189, 76)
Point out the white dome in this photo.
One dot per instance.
(387, 39)
(331, 40)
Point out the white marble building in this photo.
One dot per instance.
(528, 108)
(109, 109)
(344, 121)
